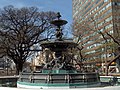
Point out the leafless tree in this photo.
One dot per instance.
(21, 29)
(79, 35)
(92, 26)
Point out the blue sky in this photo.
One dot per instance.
(62, 6)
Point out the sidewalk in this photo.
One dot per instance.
(99, 88)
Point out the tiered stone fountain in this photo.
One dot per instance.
(60, 71)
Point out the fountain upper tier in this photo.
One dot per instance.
(58, 45)
(59, 22)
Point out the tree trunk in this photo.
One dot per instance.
(107, 68)
(19, 68)
(118, 64)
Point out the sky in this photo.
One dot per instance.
(62, 6)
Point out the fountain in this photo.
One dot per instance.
(59, 72)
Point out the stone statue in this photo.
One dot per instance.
(59, 34)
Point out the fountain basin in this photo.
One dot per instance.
(58, 79)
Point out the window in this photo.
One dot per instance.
(105, 0)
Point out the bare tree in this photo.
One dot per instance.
(20, 30)
(115, 39)
(92, 26)
(79, 35)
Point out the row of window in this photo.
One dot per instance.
(96, 11)
(95, 33)
(100, 12)
(116, 3)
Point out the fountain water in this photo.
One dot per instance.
(60, 71)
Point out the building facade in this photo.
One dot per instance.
(95, 21)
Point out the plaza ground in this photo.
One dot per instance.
(99, 88)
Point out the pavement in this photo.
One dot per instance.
(99, 88)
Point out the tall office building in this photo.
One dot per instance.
(92, 18)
